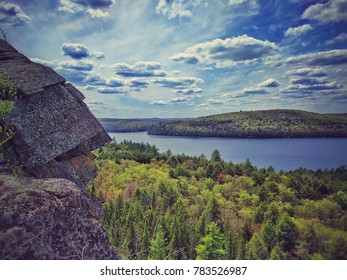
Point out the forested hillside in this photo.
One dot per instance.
(258, 124)
(130, 125)
(164, 206)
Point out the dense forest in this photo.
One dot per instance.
(258, 124)
(131, 125)
(165, 206)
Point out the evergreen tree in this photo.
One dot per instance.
(216, 156)
(158, 249)
(256, 249)
(211, 246)
(277, 254)
(268, 234)
(287, 234)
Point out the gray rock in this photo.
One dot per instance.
(49, 219)
(52, 124)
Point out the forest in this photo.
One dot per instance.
(165, 206)
(257, 124)
(130, 125)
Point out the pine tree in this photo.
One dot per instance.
(158, 250)
(211, 247)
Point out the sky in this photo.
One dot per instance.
(188, 58)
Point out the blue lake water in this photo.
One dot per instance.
(282, 154)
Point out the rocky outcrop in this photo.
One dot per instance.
(49, 219)
(47, 214)
(54, 129)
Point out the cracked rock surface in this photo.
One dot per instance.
(49, 219)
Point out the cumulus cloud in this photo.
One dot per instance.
(98, 54)
(297, 31)
(309, 81)
(311, 72)
(333, 57)
(137, 83)
(180, 83)
(113, 90)
(159, 102)
(311, 88)
(78, 65)
(228, 52)
(139, 69)
(119, 85)
(79, 51)
(81, 77)
(115, 82)
(75, 50)
(256, 90)
(237, 2)
(179, 100)
(95, 8)
(215, 102)
(262, 88)
(12, 14)
(185, 58)
(331, 11)
(189, 91)
(177, 8)
(269, 83)
(338, 39)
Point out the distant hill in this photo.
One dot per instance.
(257, 124)
(131, 125)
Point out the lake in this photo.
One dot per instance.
(283, 154)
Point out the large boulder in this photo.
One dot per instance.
(49, 219)
(53, 126)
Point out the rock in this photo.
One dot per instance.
(49, 219)
(52, 124)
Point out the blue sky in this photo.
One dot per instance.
(176, 58)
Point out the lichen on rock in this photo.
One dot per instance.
(52, 124)
(49, 219)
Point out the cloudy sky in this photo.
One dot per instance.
(185, 58)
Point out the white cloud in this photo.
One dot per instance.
(333, 57)
(251, 3)
(215, 102)
(297, 31)
(311, 72)
(159, 102)
(139, 69)
(237, 2)
(179, 100)
(189, 91)
(95, 8)
(177, 8)
(228, 52)
(338, 39)
(113, 90)
(256, 90)
(331, 11)
(98, 54)
(77, 65)
(179, 82)
(269, 83)
(12, 14)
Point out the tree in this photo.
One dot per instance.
(268, 234)
(287, 234)
(277, 254)
(256, 249)
(216, 156)
(211, 246)
(158, 249)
